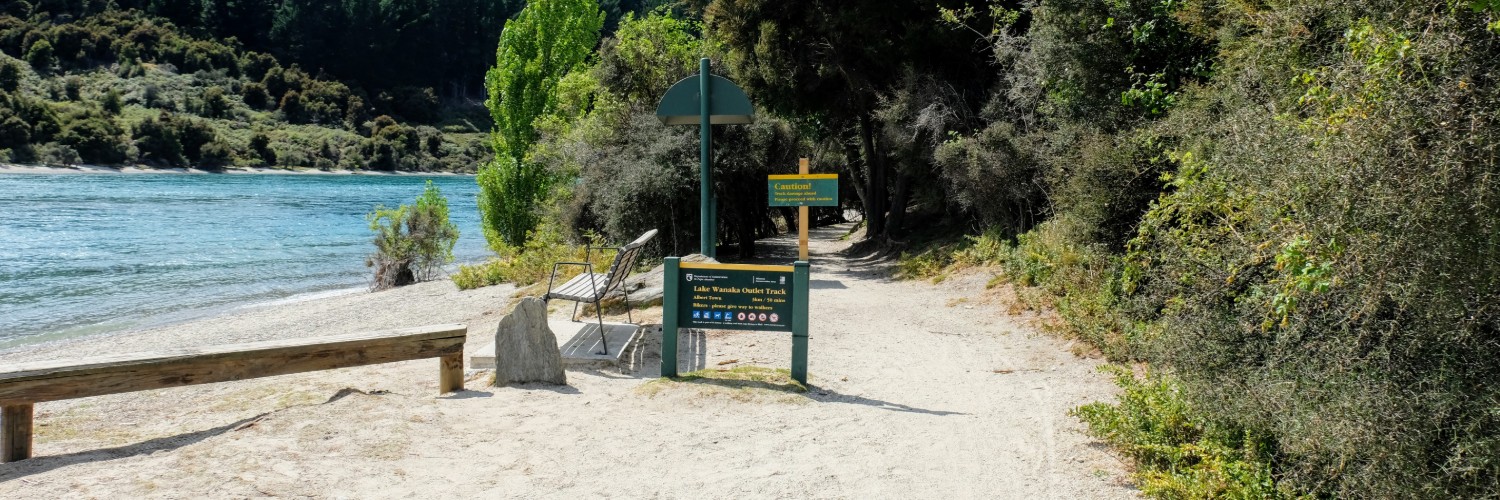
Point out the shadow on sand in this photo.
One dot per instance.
(40, 464)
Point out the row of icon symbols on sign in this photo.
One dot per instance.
(741, 316)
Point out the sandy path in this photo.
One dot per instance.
(918, 391)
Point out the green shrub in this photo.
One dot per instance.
(260, 145)
(112, 104)
(96, 139)
(57, 154)
(40, 56)
(533, 263)
(214, 103)
(156, 139)
(255, 95)
(215, 154)
(10, 76)
(412, 242)
(1177, 454)
(487, 273)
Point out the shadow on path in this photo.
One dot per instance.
(822, 395)
(813, 393)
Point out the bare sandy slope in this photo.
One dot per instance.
(918, 391)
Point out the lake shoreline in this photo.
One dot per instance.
(313, 314)
(13, 168)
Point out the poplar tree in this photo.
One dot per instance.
(542, 44)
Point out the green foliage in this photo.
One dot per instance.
(260, 145)
(1178, 454)
(157, 141)
(112, 104)
(537, 48)
(533, 263)
(96, 139)
(120, 59)
(10, 76)
(411, 242)
(649, 54)
(214, 103)
(830, 63)
(40, 56)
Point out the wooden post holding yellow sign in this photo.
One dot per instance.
(803, 190)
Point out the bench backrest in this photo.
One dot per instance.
(624, 262)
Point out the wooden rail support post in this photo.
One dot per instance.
(451, 373)
(15, 432)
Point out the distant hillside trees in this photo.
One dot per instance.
(74, 75)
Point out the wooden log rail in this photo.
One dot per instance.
(25, 384)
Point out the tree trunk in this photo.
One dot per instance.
(895, 227)
(745, 232)
(856, 179)
(875, 193)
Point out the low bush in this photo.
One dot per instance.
(411, 242)
(1178, 454)
(532, 263)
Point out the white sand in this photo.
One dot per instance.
(919, 391)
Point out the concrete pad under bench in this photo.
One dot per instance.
(578, 341)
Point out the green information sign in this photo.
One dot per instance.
(810, 190)
(735, 297)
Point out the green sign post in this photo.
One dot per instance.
(735, 297)
(813, 190)
(705, 100)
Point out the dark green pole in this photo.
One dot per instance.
(669, 318)
(800, 297)
(709, 225)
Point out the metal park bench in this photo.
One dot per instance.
(591, 287)
(25, 384)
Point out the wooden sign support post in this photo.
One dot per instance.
(802, 219)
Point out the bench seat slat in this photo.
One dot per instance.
(579, 288)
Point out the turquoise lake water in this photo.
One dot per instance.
(84, 254)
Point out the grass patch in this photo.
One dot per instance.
(940, 258)
(750, 384)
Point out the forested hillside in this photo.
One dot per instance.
(382, 85)
(1287, 213)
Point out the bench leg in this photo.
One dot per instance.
(451, 373)
(15, 433)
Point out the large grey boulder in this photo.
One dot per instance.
(526, 349)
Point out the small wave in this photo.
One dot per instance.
(304, 297)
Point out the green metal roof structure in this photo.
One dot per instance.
(729, 105)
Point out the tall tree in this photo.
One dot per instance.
(829, 62)
(537, 48)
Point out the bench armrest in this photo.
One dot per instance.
(553, 277)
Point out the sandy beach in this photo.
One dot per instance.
(917, 391)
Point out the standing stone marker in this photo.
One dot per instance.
(526, 349)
